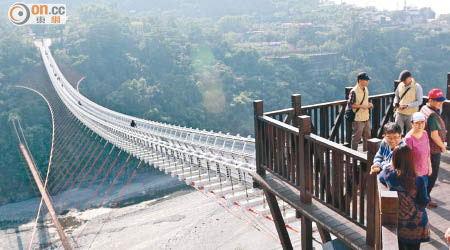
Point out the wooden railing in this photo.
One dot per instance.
(327, 119)
(280, 146)
(338, 177)
(329, 122)
(320, 169)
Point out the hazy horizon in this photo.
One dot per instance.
(438, 6)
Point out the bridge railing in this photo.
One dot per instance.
(226, 143)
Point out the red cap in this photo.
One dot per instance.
(437, 95)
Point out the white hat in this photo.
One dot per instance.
(418, 116)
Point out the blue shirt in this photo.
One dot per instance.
(383, 157)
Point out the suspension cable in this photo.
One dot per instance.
(50, 157)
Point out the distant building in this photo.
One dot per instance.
(296, 24)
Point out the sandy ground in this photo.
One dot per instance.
(200, 223)
(183, 220)
(186, 219)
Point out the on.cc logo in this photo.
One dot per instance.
(19, 14)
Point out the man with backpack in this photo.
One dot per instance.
(408, 98)
(358, 101)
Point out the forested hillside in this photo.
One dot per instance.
(202, 63)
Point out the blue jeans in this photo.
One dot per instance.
(381, 176)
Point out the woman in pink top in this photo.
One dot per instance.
(417, 140)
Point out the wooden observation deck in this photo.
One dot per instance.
(303, 157)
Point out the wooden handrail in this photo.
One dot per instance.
(279, 112)
(343, 102)
(324, 104)
(278, 124)
(337, 147)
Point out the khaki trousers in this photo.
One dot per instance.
(360, 129)
(404, 121)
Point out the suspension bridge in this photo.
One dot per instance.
(99, 139)
(296, 172)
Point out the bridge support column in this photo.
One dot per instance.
(46, 198)
(306, 232)
(278, 220)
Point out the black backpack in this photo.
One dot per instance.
(349, 114)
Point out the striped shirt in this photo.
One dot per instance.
(383, 157)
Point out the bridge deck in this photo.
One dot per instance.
(440, 217)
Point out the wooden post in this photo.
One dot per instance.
(375, 117)
(278, 220)
(304, 126)
(388, 205)
(372, 196)
(258, 111)
(296, 100)
(348, 125)
(306, 233)
(46, 198)
(305, 168)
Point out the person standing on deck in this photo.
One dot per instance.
(359, 101)
(408, 98)
(413, 227)
(436, 129)
(417, 140)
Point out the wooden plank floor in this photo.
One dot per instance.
(440, 217)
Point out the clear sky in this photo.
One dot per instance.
(438, 6)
